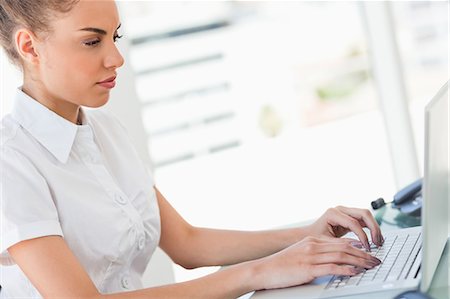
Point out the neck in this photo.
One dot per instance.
(63, 108)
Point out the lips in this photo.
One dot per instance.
(108, 83)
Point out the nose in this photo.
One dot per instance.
(114, 59)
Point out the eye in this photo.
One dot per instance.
(117, 36)
(92, 43)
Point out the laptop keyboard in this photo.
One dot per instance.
(397, 254)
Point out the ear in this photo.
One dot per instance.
(26, 46)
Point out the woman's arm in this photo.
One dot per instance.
(193, 247)
(56, 273)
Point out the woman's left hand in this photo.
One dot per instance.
(338, 221)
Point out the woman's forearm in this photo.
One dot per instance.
(211, 247)
(230, 282)
(193, 247)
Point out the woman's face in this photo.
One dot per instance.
(80, 53)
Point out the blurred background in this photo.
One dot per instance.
(257, 114)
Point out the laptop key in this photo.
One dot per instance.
(395, 256)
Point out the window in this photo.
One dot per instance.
(423, 39)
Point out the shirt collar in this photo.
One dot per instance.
(54, 132)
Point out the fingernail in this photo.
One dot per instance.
(358, 270)
(376, 260)
(357, 244)
(372, 262)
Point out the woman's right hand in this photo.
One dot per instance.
(311, 258)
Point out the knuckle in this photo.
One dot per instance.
(347, 271)
(367, 213)
(310, 247)
(341, 255)
(308, 239)
(333, 268)
(354, 222)
(330, 210)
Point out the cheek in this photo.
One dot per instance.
(71, 76)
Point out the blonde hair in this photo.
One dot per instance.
(34, 15)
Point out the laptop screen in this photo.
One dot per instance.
(435, 219)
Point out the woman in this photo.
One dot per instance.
(80, 214)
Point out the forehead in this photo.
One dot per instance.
(91, 13)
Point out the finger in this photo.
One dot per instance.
(327, 239)
(333, 269)
(354, 242)
(347, 248)
(319, 244)
(350, 241)
(343, 258)
(352, 224)
(325, 244)
(365, 218)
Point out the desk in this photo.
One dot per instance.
(389, 219)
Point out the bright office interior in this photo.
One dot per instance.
(254, 115)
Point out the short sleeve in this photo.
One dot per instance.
(27, 207)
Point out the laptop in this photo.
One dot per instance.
(409, 256)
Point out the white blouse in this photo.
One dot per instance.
(85, 183)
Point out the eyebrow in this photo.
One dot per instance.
(97, 30)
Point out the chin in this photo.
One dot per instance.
(97, 102)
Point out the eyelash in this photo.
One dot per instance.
(97, 41)
(117, 36)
